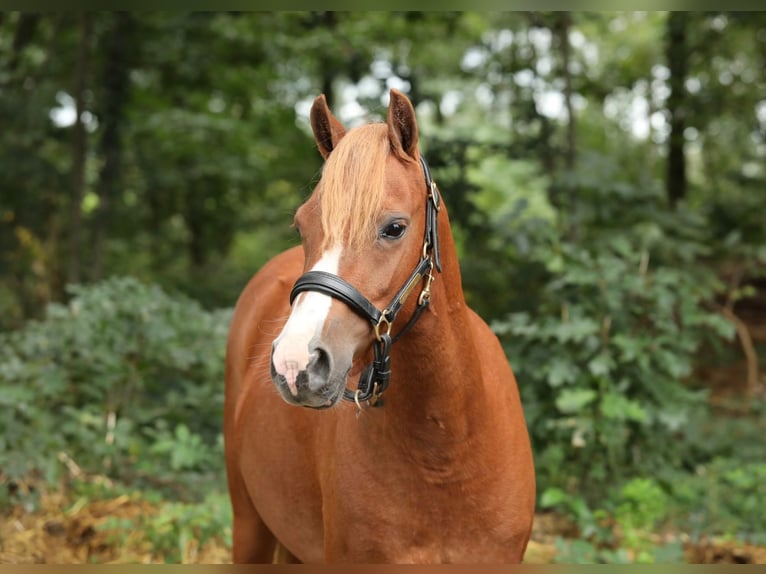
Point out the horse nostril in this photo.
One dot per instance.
(318, 368)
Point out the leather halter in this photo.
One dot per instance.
(376, 376)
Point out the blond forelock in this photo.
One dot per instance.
(352, 186)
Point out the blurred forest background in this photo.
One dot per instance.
(606, 179)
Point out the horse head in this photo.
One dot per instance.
(366, 226)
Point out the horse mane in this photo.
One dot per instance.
(353, 184)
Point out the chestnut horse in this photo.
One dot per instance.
(438, 468)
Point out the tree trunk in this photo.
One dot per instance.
(78, 153)
(544, 144)
(115, 93)
(515, 102)
(25, 32)
(195, 223)
(570, 153)
(678, 61)
(328, 72)
(562, 30)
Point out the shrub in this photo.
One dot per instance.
(602, 361)
(102, 381)
(177, 531)
(610, 333)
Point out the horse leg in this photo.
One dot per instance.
(252, 541)
(283, 556)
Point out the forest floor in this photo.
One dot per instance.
(62, 527)
(66, 531)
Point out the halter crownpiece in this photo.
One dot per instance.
(376, 376)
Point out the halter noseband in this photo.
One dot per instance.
(376, 376)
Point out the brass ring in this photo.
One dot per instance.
(383, 320)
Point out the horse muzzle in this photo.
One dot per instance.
(309, 381)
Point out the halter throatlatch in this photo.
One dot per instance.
(376, 376)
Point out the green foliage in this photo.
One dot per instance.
(124, 379)
(723, 494)
(584, 552)
(177, 529)
(493, 175)
(721, 498)
(641, 505)
(603, 356)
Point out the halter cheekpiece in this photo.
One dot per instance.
(376, 376)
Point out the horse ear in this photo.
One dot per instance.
(327, 129)
(402, 127)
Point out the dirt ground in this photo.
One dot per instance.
(63, 530)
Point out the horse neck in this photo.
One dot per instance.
(436, 375)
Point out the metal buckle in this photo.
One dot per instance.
(426, 245)
(358, 404)
(375, 396)
(425, 294)
(433, 195)
(382, 321)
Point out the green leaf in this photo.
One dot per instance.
(561, 371)
(619, 407)
(571, 401)
(576, 329)
(552, 497)
(601, 365)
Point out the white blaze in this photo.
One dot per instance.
(291, 348)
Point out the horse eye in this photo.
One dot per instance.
(394, 230)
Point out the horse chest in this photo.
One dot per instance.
(425, 516)
(422, 534)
